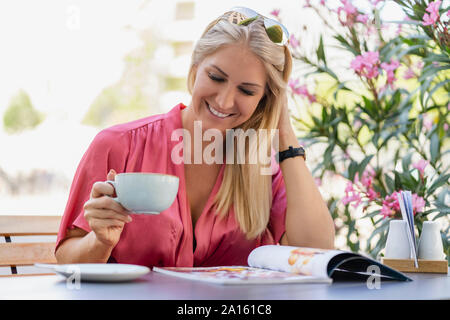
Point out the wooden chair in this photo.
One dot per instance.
(27, 254)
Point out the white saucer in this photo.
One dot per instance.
(103, 272)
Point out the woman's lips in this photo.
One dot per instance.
(216, 116)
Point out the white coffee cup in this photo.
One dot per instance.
(145, 193)
(397, 244)
(430, 242)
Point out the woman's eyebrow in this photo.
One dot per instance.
(245, 83)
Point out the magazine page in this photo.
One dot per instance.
(336, 264)
(239, 275)
(297, 260)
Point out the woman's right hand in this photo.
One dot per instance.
(105, 216)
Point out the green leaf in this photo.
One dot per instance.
(424, 89)
(432, 57)
(431, 70)
(372, 214)
(436, 87)
(397, 181)
(352, 169)
(346, 45)
(384, 225)
(406, 162)
(408, 50)
(443, 211)
(390, 184)
(434, 147)
(438, 183)
(362, 166)
(321, 52)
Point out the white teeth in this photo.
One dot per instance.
(217, 113)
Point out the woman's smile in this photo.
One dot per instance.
(216, 113)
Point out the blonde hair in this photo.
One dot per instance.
(243, 185)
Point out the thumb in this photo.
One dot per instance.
(111, 174)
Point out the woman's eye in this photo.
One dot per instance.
(214, 78)
(249, 93)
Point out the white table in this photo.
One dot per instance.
(156, 286)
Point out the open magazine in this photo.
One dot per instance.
(285, 264)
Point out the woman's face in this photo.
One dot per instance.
(228, 87)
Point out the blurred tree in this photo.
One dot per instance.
(20, 114)
(135, 95)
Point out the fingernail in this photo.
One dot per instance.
(129, 219)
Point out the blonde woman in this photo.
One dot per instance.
(223, 209)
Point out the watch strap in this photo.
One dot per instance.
(290, 153)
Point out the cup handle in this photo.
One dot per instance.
(113, 183)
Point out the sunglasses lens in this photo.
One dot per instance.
(276, 31)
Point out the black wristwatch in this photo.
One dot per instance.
(290, 153)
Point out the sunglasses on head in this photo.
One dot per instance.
(275, 30)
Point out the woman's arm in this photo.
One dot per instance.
(105, 217)
(308, 221)
(82, 247)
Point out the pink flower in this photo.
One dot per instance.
(350, 12)
(366, 64)
(322, 2)
(418, 203)
(372, 194)
(351, 195)
(363, 18)
(348, 7)
(275, 12)
(390, 68)
(294, 42)
(308, 4)
(409, 74)
(390, 205)
(420, 165)
(301, 90)
(433, 17)
(448, 13)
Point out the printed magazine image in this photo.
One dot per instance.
(286, 264)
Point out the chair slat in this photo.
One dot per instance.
(25, 254)
(29, 225)
(26, 275)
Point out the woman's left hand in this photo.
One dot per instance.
(284, 124)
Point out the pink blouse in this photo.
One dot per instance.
(166, 239)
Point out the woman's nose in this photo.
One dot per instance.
(225, 99)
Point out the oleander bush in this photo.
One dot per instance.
(374, 95)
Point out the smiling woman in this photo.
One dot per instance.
(237, 80)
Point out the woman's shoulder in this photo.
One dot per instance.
(122, 130)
